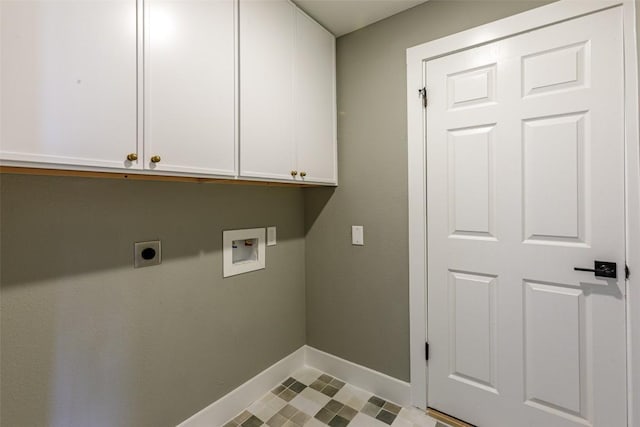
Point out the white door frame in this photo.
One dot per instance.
(523, 22)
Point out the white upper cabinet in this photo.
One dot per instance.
(287, 94)
(205, 88)
(267, 35)
(68, 83)
(315, 102)
(190, 66)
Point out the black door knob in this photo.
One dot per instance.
(602, 269)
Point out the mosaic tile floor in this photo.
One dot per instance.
(313, 399)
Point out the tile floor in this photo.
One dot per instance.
(314, 399)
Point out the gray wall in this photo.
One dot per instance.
(358, 297)
(89, 341)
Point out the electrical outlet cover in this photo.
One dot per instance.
(271, 236)
(357, 235)
(146, 254)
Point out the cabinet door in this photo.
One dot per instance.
(68, 82)
(190, 86)
(267, 34)
(314, 101)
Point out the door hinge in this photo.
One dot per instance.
(626, 271)
(426, 351)
(423, 94)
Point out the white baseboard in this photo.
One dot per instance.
(230, 405)
(380, 384)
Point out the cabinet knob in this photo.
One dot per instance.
(155, 159)
(294, 173)
(132, 157)
(303, 174)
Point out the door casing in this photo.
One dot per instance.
(417, 56)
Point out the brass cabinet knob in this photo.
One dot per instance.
(155, 159)
(303, 174)
(294, 173)
(132, 157)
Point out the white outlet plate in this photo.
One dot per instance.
(271, 236)
(357, 235)
(142, 251)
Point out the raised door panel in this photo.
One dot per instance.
(554, 186)
(267, 35)
(68, 83)
(314, 101)
(556, 360)
(472, 329)
(471, 177)
(555, 70)
(190, 86)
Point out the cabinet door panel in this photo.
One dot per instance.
(267, 34)
(314, 100)
(68, 82)
(190, 81)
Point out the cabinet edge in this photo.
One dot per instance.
(143, 177)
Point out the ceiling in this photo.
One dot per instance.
(344, 16)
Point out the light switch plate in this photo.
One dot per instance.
(146, 254)
(271, 236)
(357, 235)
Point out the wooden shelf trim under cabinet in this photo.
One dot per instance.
(141, 177)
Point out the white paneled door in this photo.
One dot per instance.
(525, 181)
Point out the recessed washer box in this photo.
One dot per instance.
(243, 251)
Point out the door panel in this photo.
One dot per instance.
(190, 82)
(554, 185)
(314, 101)
(554, 70)
(471, 198)
(556, 378)
(472, 300)
(68, 82)
(525, 181)
(471, 88)
(267, 43)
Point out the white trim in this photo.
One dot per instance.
(417, 191)
(380, 384)
(633, 211)
(230, 405)
(507, 27)
(524, 22)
